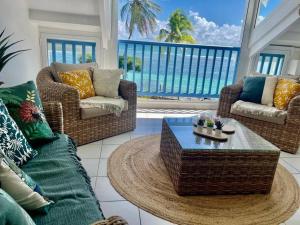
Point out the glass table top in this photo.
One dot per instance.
(242, 139)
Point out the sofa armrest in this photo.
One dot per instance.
(127, 90)
(293, 111)
(54, 115)
(229, 95)
(53, 91)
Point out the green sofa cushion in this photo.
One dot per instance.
(63, 179)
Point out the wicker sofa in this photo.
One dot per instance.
(87, 130)
(285, 136)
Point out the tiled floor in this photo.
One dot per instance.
(94, 158)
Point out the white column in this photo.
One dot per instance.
(246, 63)
(108, 14)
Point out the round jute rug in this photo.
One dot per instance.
(137, 172)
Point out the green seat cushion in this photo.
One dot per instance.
(25, 107)
(253, 89)
(11, 213)
(63, 179)
(12, 141)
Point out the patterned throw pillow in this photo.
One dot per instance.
(286, 89)
(11, 213)
(79, 79)
(25, 107)
(21, 187)
(12, 141)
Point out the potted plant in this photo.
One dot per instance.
(210, 125)
(200, 123)
(219, 124)
(5, 45)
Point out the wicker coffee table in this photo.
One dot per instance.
(244, 164)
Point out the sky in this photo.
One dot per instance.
(215, 22)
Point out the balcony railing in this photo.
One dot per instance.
(181, 70)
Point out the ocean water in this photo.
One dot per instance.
(180, 76)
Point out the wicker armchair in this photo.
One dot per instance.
(286, 137)
(84, 131)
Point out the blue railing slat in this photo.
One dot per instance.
(221, 69)
(125, 60)
(197, 70)
(53, 52)
(270, 64)
(83, 54)
(204, 73)
(174, 70)
(133, 63)
(142, 68)
(182, 68)
(212, 72)
(166, 69)
(74, 53)
(190, 70)
(64, 52)
(158, 69)
(262, 63)
(228, 68)
(184, 80)
(150, 68)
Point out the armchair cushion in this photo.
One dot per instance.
(99, 106)
(81, 80)
(259, 112)
(106, 82)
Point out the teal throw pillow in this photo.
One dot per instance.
(12, 141)
(11, 213)
(25, 107)
(253, 89)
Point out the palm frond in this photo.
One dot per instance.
(5, 45)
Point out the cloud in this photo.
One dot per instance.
(259, 19)
(205, 32)
(209, 33)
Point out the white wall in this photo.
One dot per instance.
(14, 16)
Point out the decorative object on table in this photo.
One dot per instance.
(12, 141)
(5, 57)
(144, 171)
(209, 125)
(210, 134)
(201, 123)
(25, 107)
(219, 125)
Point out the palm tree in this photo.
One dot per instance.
(179, 28)
(140, 14)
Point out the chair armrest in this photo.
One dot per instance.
(228, 96)
(127, 89)
(293, 111)
(54, 115)
(53, 91)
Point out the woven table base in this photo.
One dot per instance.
(137, 172)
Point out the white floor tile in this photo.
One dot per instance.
(105, 191)
(294, 220)
(91, 166)
(297, 177)
(289, 155)
(93, 182)
(294, 162)
(290, 168)
(122, 208)
(102, 171)
(107, 150)
(149, 219)
(117, 140)
(92, 150)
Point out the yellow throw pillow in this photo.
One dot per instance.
(285, 90)
(81, 80)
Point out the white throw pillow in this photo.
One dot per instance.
(269, 89)
(106, 82)
(20, 187)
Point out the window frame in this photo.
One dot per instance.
(74, 44)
